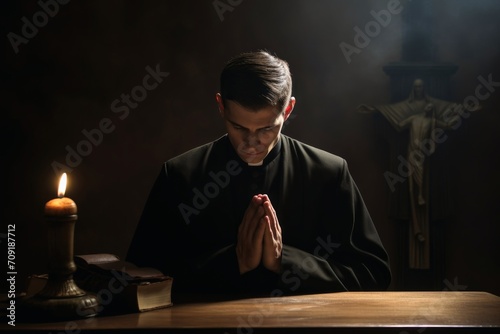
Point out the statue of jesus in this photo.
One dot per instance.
(426, 118)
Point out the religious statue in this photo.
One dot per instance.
(426, 118)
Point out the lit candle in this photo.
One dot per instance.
(61, 298)
(61, 206)
(61, 217)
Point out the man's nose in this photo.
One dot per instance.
(252, 138)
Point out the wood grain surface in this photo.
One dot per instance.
(384, 312)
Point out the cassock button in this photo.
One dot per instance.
(253, 186)
(255, 174)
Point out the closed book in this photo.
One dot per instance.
(149, 296)
(121, 286)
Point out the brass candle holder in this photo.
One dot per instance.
(61, 298)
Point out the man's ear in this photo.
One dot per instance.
(289, 108)
(220, 104)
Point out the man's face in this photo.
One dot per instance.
(253, 134)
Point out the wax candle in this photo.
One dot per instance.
(60, 298)
(61, 206)
(61, 217)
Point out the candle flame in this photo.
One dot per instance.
(62, 185)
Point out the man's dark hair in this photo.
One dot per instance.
(256, 80)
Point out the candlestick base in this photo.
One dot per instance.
(60, 299)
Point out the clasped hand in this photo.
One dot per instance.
(259, 237)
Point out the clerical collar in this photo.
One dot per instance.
(275, 151)
(270, 157)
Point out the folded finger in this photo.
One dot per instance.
(252, 214)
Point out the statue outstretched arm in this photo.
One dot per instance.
(366, 109)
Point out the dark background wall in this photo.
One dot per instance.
(64, 79)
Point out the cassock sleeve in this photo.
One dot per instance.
(149, 237)
(165, 240)
(347, 255)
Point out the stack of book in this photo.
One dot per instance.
(119, 285)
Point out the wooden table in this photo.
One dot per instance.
(344, 312)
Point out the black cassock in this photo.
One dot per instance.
(189, 225)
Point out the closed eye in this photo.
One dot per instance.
(268, 129)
